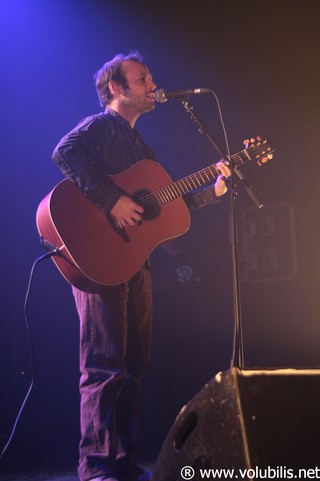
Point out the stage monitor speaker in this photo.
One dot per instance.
(246, 420)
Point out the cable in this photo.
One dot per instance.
(237, 357)
(222, 124)
(49, 254)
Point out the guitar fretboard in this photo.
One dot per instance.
(187, 184)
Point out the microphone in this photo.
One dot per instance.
(162, 95)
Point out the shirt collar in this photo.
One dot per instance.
(123, 121)
(114, 113)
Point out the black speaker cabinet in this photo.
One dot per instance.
(247, 419)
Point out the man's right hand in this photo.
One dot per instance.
(126, 211)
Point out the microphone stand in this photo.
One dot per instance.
(238, 354)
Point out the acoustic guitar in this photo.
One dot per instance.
(93, 250)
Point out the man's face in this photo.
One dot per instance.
(140, 92)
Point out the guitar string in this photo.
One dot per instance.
(181, 187)
(177, 189)
(166, 193)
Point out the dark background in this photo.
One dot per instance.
(261, 57)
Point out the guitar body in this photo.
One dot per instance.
(94, 250)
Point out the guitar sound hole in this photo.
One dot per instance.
(148, 202)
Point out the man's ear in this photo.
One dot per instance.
(115, 88)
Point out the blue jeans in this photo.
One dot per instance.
(115, 338)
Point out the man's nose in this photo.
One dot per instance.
(153, 85)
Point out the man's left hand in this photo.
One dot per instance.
(220, 185)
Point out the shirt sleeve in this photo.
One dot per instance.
(200, 198)
(76, 155)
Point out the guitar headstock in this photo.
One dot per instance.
(258, 150)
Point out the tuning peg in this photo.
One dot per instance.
(246, 143)
(252, 140)
(264, 160)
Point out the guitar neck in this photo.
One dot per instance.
(187, 184)
(259, 151)
(195, 181)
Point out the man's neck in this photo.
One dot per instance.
(124, 112)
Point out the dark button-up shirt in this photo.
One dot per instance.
(105, 144)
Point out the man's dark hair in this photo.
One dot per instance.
(112, 71)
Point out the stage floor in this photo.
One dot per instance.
(50, 475)
(40, 476)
